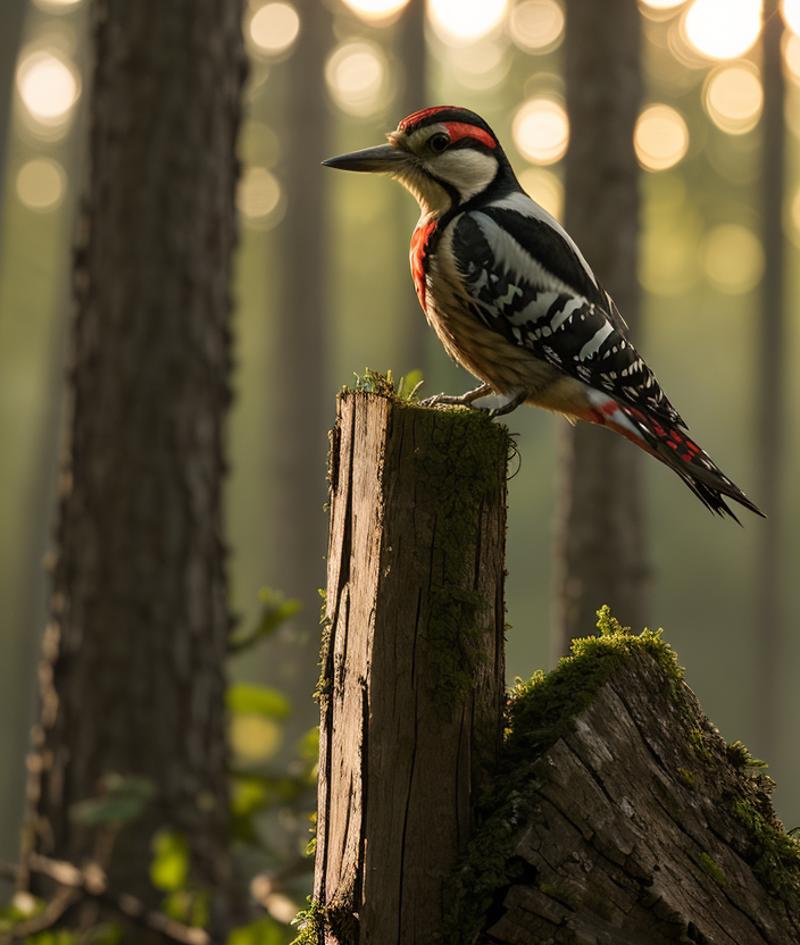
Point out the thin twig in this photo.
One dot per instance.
(91, 882)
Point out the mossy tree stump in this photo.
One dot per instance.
(413, 672)
(619, 816)
(611, 813)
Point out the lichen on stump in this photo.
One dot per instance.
(619, 815)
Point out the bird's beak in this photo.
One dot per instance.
(385, 159)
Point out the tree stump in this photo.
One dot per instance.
(412, 685)
(621, 817)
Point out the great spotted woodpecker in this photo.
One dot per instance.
(513, 300)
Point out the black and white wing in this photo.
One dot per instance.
(526, 279)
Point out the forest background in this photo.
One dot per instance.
(309, 312)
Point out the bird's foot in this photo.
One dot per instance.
(511, 404)
(462, 400)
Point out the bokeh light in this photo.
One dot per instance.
(537, 25)
(376, 11)
(733, 258)
(733, 98)
(794, 217)
(259, 197)
(356, 73)
(48, 86)
(791, 14)
(791, 55)
(254, 738)
(662, 4)
(41, 184)
(487, 64)
(465, 21)
(540, 129)
(661, 138)
(545, 188)
(273, 28)
(723, 29)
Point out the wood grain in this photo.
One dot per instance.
(413, 674)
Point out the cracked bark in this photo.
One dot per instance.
(413, 676)
(132, 673)
(636, 835)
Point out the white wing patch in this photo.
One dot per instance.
(512, 257)
(528, 207)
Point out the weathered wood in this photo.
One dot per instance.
(635, 825)
(412, 686)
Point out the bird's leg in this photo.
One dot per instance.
(463, 400)
(511, 404)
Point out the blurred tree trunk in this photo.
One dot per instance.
(412, 53)
(771, 414)
(132, 675)
(300, 365)
(601, 554)
(12, 20)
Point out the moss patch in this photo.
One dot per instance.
(710, 866)
(541, 710)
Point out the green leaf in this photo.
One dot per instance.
(409, 385)
(170, 865)
(263, 932)
(123, 800)
(249, 699)
(275, 610)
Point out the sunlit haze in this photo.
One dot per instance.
(541, 130)
(733, 258)
(536, 25)
(733, 98)
(791, 14)
(55, 6)
(259, 196)
(376, 11)
(723, 29)
(356, 74)
(48, 87)
(660, 138)
(41, 184)
(274, 27)
(545, 188)
(464, 21)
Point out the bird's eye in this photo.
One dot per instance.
(438, 143)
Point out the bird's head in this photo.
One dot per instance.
(443, 155)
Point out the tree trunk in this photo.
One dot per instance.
(601, 554)
(132, 675)
(301, 331)
(771, 416)
(635, 823)
(412, 686)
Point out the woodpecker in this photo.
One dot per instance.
(513, 300)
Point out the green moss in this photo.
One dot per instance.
(310, 924)
(772, 853)
(687, 777)
(739, 756)
(541, 710)
(710, 866)
(699, 743)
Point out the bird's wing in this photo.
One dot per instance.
(526, 279)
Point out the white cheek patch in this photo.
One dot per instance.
(469, 171)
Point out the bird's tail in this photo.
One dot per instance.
(670, 444)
